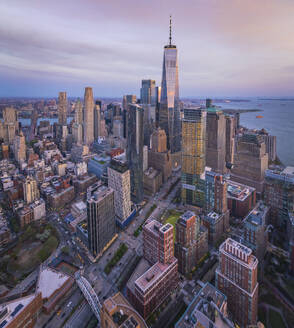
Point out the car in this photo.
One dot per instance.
(69, 304)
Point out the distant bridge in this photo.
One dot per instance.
(89, 294)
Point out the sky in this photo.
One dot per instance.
(225, 47)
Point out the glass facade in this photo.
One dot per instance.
(193, 156)
(169, 112)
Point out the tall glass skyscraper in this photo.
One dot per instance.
(193, 156)
(134, 150)
(169, 112)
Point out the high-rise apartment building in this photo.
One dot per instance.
(169, 111)
(216, 139)
(236, 277)
(30, 190)
(88, 116)
(148, 92)
(119, 181)
(191, 242)
(251, 161)
(147, 289)
(101, 219)
(19, 147)
(216, 218)
(158, 242)
(62, 108)
(193, 156)
(135, 150)
(77, 128)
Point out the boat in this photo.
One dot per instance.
(259, 116)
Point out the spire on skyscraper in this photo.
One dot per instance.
(170, 30)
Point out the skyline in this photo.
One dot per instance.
(50, 47)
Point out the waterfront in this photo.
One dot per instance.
(277, 118)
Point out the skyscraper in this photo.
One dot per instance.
(62, 108)
(119, 181)
(191, 242)
(236, 277)
(216, 139)
(148, 92)
(88, 116)
(193, 156)
(149, 290)
(97, 119)
(159, 156)
(251, 161)
(19, 147)
(135, 150)
(9, 128)
(230, 138)
(216, 218)
(101, 218)
(127, 100)
(77, 128)
(169, 111)
(30, 190)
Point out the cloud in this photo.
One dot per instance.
(233, 45)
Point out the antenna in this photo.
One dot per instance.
(170, 30)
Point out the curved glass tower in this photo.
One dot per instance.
(169, 112)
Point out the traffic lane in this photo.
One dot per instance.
(80, 317)
(65, 310)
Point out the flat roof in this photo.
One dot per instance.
(147, 279)
(50, 280)
(117, 304)
(257, 215)
(141, 268)
(13, 308)
(238, 191)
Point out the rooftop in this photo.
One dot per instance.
(123, 314)
(257, 215)
(207, 310)
(9, 310)
(155, 227)
(99, 194)
(238, 191)
(286, 175)
(141, 268)
(146, 280)
(50, 280)
(151, 173)
(239, 251)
